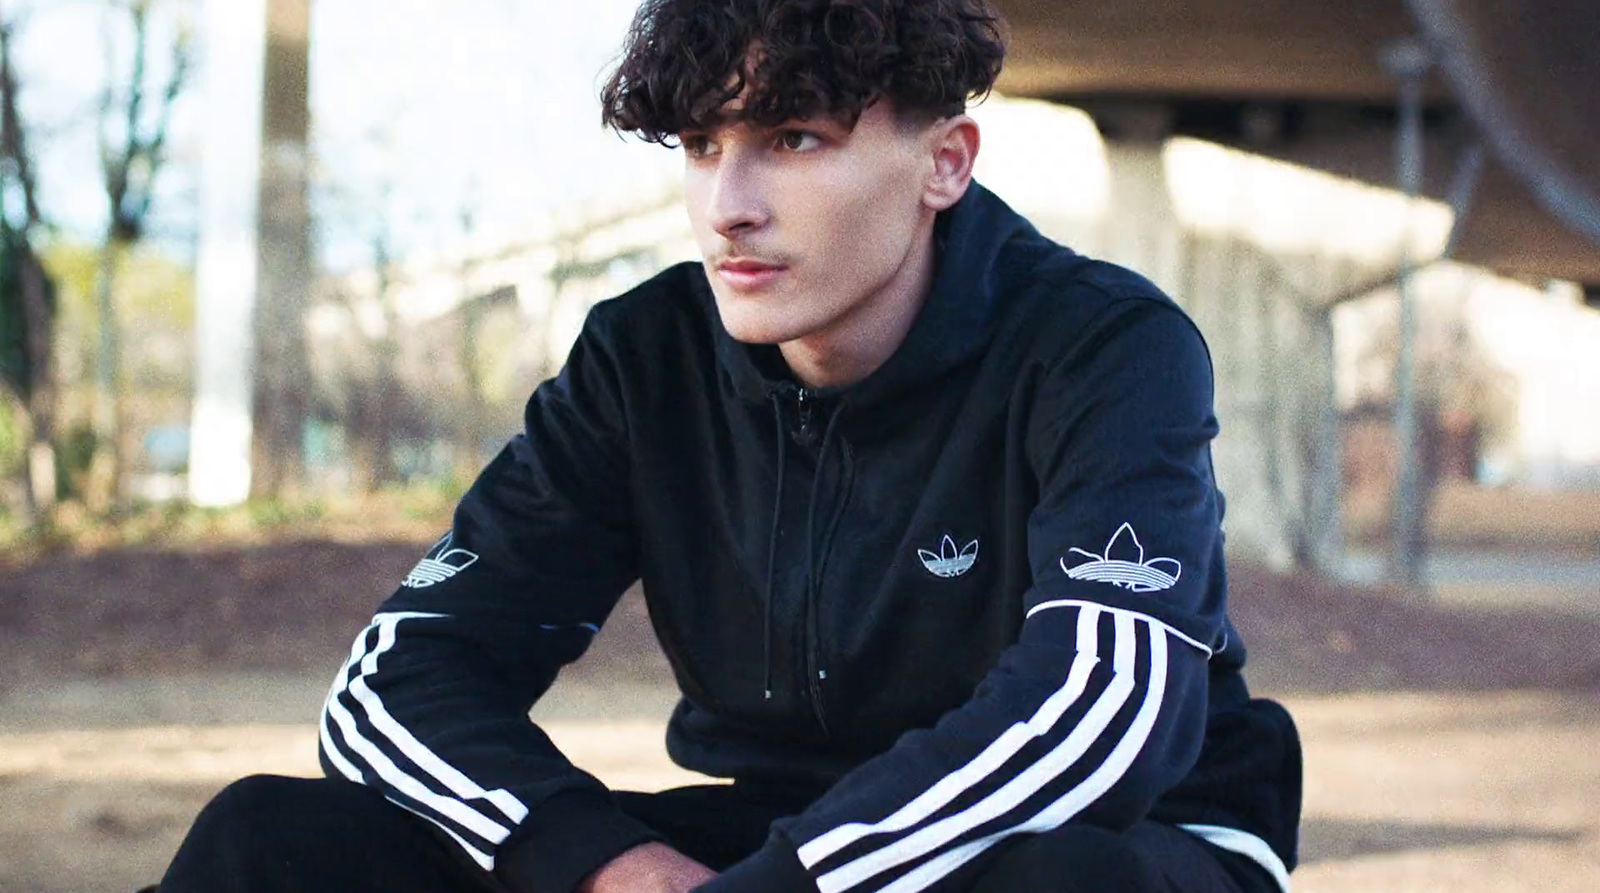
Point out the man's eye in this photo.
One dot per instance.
(797, 140)
(696, 146)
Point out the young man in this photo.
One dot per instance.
(923, 507)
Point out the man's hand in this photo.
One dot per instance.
(648, 868)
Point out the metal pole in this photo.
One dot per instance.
(1407, 61)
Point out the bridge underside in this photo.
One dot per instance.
(1305, 82)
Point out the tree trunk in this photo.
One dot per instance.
(103, 490)
(470, 422)
(39, 316)
(387, 381)
(38, 301)
(283, 285)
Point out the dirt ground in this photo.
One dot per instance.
(1445, 749)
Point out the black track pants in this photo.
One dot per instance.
(268, 834)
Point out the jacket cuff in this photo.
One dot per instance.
(565, 840)
(775, 868)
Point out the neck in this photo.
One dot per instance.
(853, 346)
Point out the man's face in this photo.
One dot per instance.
(801, 225)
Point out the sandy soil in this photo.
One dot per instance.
(1405, 793)
(1446, 749)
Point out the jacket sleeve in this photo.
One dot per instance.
(432, 706)
(1099, 706)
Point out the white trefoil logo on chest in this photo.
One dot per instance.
(441, 563)
(949, 562)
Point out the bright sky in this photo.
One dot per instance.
(480, 105)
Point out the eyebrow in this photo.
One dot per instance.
(815, 122)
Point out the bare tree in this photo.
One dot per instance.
(372, 421)
(29, 295)
(471, 421)
(131, 160)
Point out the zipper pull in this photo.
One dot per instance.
(804, 408)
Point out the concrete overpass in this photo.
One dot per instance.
(1307, 82)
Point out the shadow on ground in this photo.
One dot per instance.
(1332, 840)
(294, 606)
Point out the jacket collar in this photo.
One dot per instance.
(985, 249)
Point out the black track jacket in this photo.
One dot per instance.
(978, 594)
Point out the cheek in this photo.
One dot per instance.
(869, 230)
(695, 193)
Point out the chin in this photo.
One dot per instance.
(754, 321)
(752, 328)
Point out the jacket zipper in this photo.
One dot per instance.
(817, 674)
(805, 410)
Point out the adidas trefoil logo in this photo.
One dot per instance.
(949, 562)
(1123, 564)
(440, 564)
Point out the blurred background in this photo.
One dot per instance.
(276, 277)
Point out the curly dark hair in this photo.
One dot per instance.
(684, 59)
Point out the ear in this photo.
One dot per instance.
(954, 147)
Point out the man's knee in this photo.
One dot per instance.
(270, 834)
(1071, 859)
(248, 804)
(242, 833)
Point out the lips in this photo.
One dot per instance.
(745, 274)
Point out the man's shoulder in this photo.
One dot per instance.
(677, 293)
(1113, 283)
(658, 332)
(1071, 294)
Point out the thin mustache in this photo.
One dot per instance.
(754, 257)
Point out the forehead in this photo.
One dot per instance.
(736, 114)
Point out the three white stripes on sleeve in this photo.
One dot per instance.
(394, 738)
(493, 829)
(1094, 723)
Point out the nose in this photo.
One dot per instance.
(736, 207)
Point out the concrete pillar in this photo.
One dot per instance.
(1141, 228)
(219, 444)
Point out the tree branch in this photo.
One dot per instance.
(13, 138)
(153, 152)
